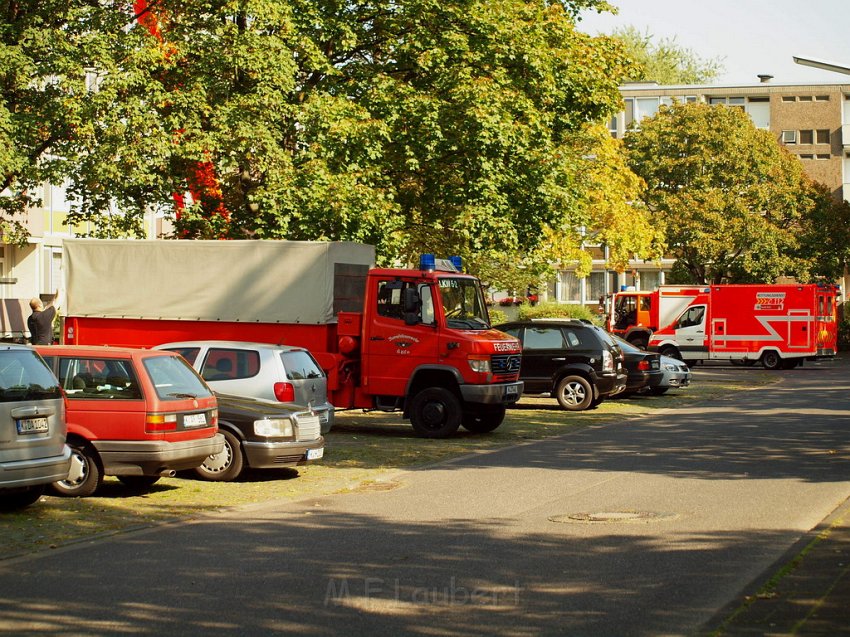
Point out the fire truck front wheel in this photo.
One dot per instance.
(435, 412)
(671, 352)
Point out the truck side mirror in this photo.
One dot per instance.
(412, 306)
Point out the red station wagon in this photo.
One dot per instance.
(132, 413)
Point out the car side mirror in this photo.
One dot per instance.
(412, 306)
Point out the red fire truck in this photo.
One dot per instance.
(779, 325)
(414, 340)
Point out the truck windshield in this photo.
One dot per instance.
(463, 304)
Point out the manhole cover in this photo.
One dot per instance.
(610, 516)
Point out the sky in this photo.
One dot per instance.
(750, 37)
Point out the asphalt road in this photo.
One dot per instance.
(643, 527)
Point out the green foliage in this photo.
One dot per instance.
(555, 310)
(665, 61)
(844, 335)
(497, 317)
(731, 201)
(454, 127)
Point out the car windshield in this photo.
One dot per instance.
(25, 376)
(174, 379)
(463, 304)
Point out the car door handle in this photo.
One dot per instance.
(559, 358)
(376, 338)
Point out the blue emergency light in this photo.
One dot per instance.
(427, 262)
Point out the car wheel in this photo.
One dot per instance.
(574, 393)
(771, 360)
(226, 465)
(85, 474)
(138, 483)
(483, 420)
(658, 391)
(21, 499)
(435, 412)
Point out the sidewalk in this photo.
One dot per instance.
(807, 592)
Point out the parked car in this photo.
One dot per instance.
(676, 375)
(261, 435)
(133, 413)
(644, 368)
(285, 375)
(33, 452)
(573, 361)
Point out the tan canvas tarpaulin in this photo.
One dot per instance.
(251, 281)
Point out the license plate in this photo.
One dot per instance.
(511, 390)
(33, 426)
(315, 454)
(194, 420)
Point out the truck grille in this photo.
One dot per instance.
(506, 364)
(307, 427)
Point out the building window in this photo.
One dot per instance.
(823, 136)
(595, 286)
(789, 137)
(612, 126)
(737, 102)
(821, 98)
(807, 156)
(805, 98)
(823, 156)
(789, 98)
(650, 280)
(570, 287)
(807, 137)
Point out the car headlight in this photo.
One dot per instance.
(273, 427)
(480, 364)
(671, 368)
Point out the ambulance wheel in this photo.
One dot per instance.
(435, 412)
(771, 360)
(640, 342)
(484, 419)
(671, 352)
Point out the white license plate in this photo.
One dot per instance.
(33, 426)
(511, 390)
(194, 420)
(315, 454)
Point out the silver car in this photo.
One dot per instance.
(676, 375)
(281, 374)
(33, 452)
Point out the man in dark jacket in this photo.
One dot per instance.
(40, 322)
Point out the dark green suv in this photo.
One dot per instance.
(577, 363)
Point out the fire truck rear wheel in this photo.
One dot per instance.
(435, 413)
(771, 360)
(640, 342)
(483, 419)
(574, 393)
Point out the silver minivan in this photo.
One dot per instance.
(33, 452)
(282, 374)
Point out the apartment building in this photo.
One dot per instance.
(811, 120)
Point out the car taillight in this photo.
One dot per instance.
(284, 392)
(161, 422)
(643, 365)
(607, 361)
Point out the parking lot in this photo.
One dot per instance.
(363, 450)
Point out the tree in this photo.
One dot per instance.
(452, 127)
(47, 110)
(731, 201)
(665, 61)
